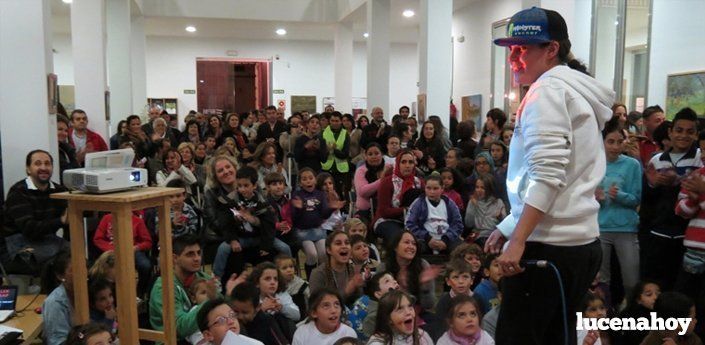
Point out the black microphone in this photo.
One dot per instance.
(535, 263)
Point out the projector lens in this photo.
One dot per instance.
(135, 176)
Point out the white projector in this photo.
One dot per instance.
(105, 172)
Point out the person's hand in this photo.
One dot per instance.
(212, 288)
(613, 191)
(600, 194)
(178, 219)
(268, 303)
(110, 313)
(155, 136)
(387, 169)
(473, 199)
(337, 205)
(64, 217)
(235, 280)
(668, 341)
(280, 168)
(263, 253)
(297, 203)
(277, 305)
(694, 183)
(247, 216)
(509, 259)
(418, 153)
(356, 282)
(495, 242)
(282, 227)
(235, 246)
(429, 273)
(656, 178)
(89, 148)
(591, 337)
(270, 140)
(437, 244)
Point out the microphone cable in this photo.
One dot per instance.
(545, 264)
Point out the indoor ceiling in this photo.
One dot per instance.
(258, 19)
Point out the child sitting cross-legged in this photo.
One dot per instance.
(297, 288)
(434, 219)
(464, 317)
(486, 292)
(364, 312)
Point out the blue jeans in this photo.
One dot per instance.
(224, 251)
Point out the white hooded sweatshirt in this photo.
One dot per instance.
(557, 156)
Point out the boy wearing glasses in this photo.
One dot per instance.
(219, 325)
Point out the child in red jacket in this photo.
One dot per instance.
(104, 240)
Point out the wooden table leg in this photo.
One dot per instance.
(125, 270)
(166, 265)
(78, 264)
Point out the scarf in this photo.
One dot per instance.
(463, 340)
(488, 157)
(486, 213)
(402, 184)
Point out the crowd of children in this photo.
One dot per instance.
(255, 218)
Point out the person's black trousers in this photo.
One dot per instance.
(661, 259)
(532, 312)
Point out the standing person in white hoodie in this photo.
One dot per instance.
(556, 161)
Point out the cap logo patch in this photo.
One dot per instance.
(525, 30)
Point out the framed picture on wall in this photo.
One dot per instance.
(471, 107)
(52, 93)
(685, 90)
(421, 99)
(303, 103)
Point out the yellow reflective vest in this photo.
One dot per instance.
(340, 164)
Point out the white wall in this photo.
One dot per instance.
(677, 43)
(472, 58)
(63, 58)
(303, 68)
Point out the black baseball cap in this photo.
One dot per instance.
(534, 26)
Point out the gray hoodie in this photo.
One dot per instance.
(557, 157)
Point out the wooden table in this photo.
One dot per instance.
(28, 321)
(121, 205)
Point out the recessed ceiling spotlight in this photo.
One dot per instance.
(365, 35)
(281, 32)
(67, 1)
(408, 13)
(191, 28)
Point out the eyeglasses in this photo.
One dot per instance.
(223, 320)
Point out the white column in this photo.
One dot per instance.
(25, 123)
(435, 57)
(378, 56)
(343, 66)
(88, 40)
(119, 65)
(139, 69)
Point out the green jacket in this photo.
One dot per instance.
(185, 312)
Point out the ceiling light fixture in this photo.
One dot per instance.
(281, 32)
(408, 13)
(191, 28)
(67, 1)
(365, 35)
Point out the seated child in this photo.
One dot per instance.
(434, 220)
(674, 305)
(355, 226)
(485, 210)
(396, 321)
(310, 210)
(459, 278)
(640, 304)
(363, 315)
(219, 325)
(256, 323)
(273, 297)
(472, 254)
(198, 294)
(184, 220)
(486, 292)
(361, 257)
(593, 308)
(464, 318)
(253, 225)
(325, 183)
(89, 334)
(103, 267)
(103, 239)
(297, 288)
(323, 325)
(102, 303)
(276, 196)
